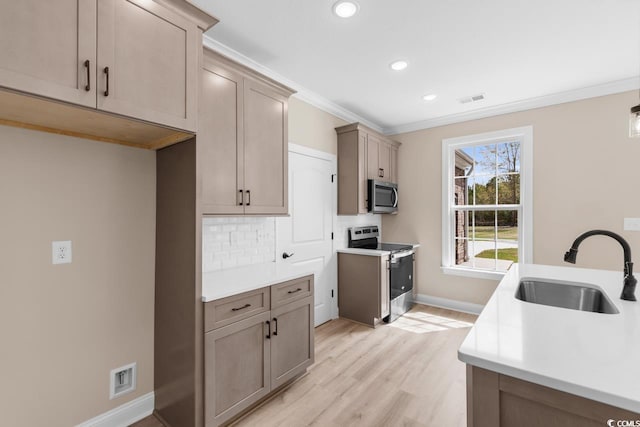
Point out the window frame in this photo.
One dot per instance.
(524, 135)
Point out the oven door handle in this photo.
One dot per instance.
(395, 197)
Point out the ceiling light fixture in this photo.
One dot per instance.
(345, 9)
(398, 65)
(430, 97)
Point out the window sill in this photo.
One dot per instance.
(470, 272)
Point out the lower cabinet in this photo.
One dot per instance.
(497, 400)
(249, 355)
(363, 287)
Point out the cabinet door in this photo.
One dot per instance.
(265, 150)
(292, 348)
(384, 161)
(220, 153)
(363, 190)
(373, 158)
(236, 368)
(44, 46)
(152, 57)
(393, 166)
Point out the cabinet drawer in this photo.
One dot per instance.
(228, 310)
(292, 290)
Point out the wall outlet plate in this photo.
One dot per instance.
(632, 224)
(61, 252)
(122, 380)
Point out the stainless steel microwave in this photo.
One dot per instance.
(383, 197)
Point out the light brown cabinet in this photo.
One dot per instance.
(147, 63)
(362, 154)
(495, 400)
(255, 343)
(363, 287)
(135, 58)
(243, 140)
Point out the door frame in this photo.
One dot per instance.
(333, 159)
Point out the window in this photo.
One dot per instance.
(486, 195)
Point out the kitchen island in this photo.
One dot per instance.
(533, 364)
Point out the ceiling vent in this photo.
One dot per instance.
(473, 98)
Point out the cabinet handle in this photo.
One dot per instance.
(293, 292)
(268, 330)
(247, 305)
(248, 197)
(275, 326)
(241, 197)
(106, 71)
(87, 65)
(380, 172)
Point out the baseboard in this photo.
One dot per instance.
(123, 415)
(451, 304)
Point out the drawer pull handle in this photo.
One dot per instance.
(87, 65)
(247, 305)
(275, 326)
(293, 292)
(268, 330)
(106, 71)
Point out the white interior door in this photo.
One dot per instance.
(307, 232)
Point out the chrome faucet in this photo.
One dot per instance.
(629, 284)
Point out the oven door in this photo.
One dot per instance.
(383, 197)
(401, 273)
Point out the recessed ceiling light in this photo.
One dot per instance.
(430, 97)
(345, 9)
(399, 65)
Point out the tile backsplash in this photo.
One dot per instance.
(229, 242)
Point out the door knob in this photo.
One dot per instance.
(286, 255)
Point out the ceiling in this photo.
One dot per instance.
(518, 53)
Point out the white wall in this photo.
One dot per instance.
(585, 176)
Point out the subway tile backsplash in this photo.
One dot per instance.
(229, 242)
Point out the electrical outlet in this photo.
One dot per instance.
(122, 380)
(61, 252)
(632, 224)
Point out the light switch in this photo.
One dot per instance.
(632, 224)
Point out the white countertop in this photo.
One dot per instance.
(593, 355)
(371, 252)
(225, 283)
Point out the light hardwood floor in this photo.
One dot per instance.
(406, 373)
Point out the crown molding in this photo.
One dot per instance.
(330, 107)
(302, 93)
(609, 88)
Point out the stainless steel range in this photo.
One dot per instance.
(400, 267)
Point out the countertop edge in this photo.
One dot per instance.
(250, 284)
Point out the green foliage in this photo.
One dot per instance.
(507, 254)
(504, 233)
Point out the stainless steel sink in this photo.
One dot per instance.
(575, 296)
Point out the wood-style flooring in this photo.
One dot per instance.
(405, 373)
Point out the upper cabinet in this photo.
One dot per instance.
(49, 49)
(242, 140)
(362, 154)
(148, 63)
(135, 58)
